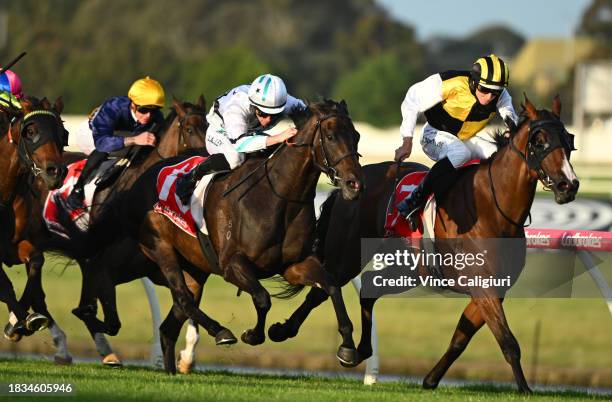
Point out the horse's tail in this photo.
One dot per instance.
(288, 291)
(318, 247)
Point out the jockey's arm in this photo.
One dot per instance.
(505, 108)
(420, 97)
(103, 127)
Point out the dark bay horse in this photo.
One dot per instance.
(184, 129)
(261, 227)
(491, 200)
(31, 145)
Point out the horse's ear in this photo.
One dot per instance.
(344, 106)
(556, 106)
(26, 106)
(531, 111)
(58, 106)
(202, 102)
(45, 103)
(178, 106)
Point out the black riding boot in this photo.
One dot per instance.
(415, 201)
(77, 195)
(213, 164)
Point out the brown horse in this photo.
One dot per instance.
(259, 226)
(184, 129)
(491, 200)
(31, 148)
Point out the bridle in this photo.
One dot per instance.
(535, 155)
(328, 166)
(26, 146)
(182, 138)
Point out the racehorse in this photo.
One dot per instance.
(31, 149)
(183, 129)
(260, 219)
(491, 200)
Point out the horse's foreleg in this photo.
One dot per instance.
(164, 255)
(493, 313)
(365, 345)
(310, 272)
(470, 322)
(239, 271)
(279, 332)
(17, 313)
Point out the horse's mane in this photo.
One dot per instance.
(168, 121)
(326, 106)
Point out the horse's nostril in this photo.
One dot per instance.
(563, 186)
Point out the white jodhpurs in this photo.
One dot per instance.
(83, 138)
(217, 142)
(439, 144)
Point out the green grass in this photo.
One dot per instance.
(574, 345)
(93, 383)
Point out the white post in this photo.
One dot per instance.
(372, 364)
(604, 288)
(157, 357)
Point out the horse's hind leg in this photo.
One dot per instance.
(470, 322)
(493, 313)
(280, 332)
(186, 359)
(310, 272)
(239, 271)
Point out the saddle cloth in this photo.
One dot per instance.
(57, 198)
(188, 218)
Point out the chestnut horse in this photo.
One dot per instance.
(31, 145)
(491, 200)
(259, 226)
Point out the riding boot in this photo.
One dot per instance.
(77, 195)
(213, 164)
(415, 201)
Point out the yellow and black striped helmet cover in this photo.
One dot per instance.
(491, 70)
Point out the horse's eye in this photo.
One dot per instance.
(330, 137)
(190, 131)
(30, 133)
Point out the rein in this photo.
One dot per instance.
(326, 167)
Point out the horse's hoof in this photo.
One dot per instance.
(63, 360)
(36, 322)
(225, 337)
(277, 333)
(184, 367)
(112, 360)
(250, 337)
(349, 357)
(11, 334)
(429, 383)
